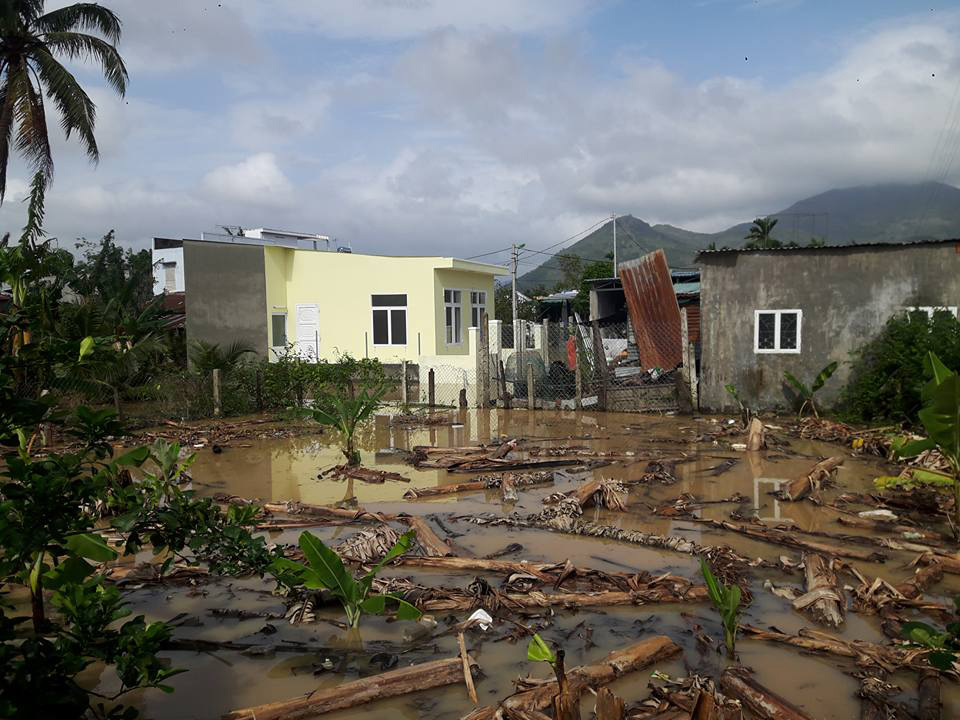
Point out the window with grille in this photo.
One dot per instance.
(777, 331)
(389, 319)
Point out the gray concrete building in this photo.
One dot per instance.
(797, 309)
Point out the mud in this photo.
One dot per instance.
(285, 469)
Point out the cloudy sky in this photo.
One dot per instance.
(460, 126)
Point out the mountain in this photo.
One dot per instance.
(876, 213)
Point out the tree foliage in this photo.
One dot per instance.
(886, 377)
(760, 236)
(32, 46)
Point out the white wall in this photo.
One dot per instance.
(167, 255)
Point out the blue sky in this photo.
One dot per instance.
(453, 126)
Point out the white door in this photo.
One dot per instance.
(308, 331)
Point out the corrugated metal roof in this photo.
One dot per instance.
(904, 243)
(654, 313)
(686, 288)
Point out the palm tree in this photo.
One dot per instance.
(760, 235)
(207, 357)
(30, 43)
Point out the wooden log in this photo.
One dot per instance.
(358, 692)
(800, 487)
(924, 577)
(949, 563)
(928, 690)
(536, 599)
(430, 541)
(789, 539)
(756, 436)
(615, 665)
(368, 475)
(418, 493)
(467, 675)
(824, 597)
(762, 702)
(609, 706)
(887, 658)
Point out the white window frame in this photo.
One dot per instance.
(169, 268)
(930, 309)
(388, 308)
(285, 333)
(458, 307)
(482, 306)
(776, 349)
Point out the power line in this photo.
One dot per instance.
(492, 252)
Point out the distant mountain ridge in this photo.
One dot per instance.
(875, 213)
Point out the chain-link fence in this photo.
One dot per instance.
(597, 365)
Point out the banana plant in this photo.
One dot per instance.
(940, 418)
(326, 571)
(345, 412)
(806, 394)
(566, 705)
(726, 599)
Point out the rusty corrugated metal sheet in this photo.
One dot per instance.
(653, 309)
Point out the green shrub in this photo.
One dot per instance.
(887, 374)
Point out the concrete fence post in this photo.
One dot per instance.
(216, 392)
(545, 343)
(431, 388)
(579, 376)
(404, 392)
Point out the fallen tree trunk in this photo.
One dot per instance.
(600, 492)
(358, 692)
(800, 487)
(865, 654)
(613, 666)
(430, 541)
(928, 690)
(824, 597)
(368, 475)
(924, 577)
(761, 702)
(756, 436)
(782, 537)
(418, 493)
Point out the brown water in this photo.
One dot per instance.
(279, 470)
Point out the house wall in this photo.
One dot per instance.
(165, 255)
(846, 295)
(341, 285)
(225, 293)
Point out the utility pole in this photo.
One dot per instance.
(614, 218)
(514, 255)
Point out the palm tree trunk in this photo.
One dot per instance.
(116, 400)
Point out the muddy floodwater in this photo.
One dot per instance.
(275, 660)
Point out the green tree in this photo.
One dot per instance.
(594, 271)
(503, 306)
(107, 272)
(31, 42)
(572, 268)
(760, 236)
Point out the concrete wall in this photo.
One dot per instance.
(225, 293)
(341, 286)
(167, 255)
(846, 295)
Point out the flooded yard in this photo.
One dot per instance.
(241, 650)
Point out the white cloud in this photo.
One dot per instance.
(256, 180)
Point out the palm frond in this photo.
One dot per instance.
(32, 140)
(81, 16)
(80, 46)
(77, 111)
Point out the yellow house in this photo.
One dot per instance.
(273, 289)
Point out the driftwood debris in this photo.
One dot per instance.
(801, 487)
(484, 482)
(756, 436)
(789, 538)
(367, 475)
(518, 593)
(928, 691)
(615, 665)
(358, 692)
(601, 493)
(824, 598)
(763, 703)
(489, 459)
(609, 706)
(690, 698)
(924, 577)
(467, 674)
(865, 654)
